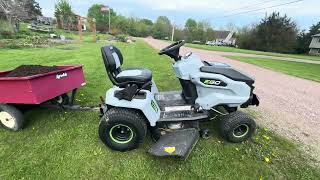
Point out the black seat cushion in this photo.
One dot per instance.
(134, 75)
(228, 72)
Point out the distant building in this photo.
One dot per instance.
(223, 38)
(315, 45)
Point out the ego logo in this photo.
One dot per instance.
(212, 82)
(62, 75)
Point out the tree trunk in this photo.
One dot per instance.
(14, 23)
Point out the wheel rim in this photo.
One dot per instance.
(241, 131)
(121, 134)
(7, 120)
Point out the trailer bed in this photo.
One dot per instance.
(40, 88)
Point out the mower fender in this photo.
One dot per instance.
(146, 104)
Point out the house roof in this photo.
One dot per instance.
(221, 34)
(316, 35)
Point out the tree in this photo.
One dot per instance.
(17, 10)
(146, 22)
(210, 34)
(121, 23)
(63, 13)
(144, 27)
(191, 25)
(102, 18)
(202, 31)
(246, 37)
(162, 28)
(179, 34)
(276, 34)
(190, 29)
(304, 39)
(33, 9)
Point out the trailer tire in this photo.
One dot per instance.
(122, 129)
(237, 127)
(11, 118)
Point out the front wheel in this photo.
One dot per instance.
(237, 127)
(122, 129)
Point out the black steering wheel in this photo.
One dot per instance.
(172, 47)
(173, 50)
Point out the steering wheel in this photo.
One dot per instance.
(171, 48)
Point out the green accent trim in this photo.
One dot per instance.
(117, 141)
(154, 106)
(247, 130)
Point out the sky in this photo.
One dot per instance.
(218, 12)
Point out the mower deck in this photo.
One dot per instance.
(178, 143)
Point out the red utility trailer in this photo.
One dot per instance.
(36, 89)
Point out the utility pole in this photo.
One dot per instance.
(172, 34)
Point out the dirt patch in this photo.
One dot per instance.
(30, 70)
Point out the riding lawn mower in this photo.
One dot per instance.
(209, 90)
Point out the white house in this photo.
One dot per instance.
(315, 45)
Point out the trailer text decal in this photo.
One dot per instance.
(62, 75)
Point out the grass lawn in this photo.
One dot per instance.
(298, 69)
(65, 144)
(237, 50)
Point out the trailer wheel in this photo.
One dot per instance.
(63, 99)
(10, 117)
(237, 127)
(122, 129)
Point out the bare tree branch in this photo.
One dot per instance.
(5, 6)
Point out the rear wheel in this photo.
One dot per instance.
(122, 129)
(237, 127)
(10, 117)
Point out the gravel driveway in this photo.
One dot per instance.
(219, 53)
(289, 105)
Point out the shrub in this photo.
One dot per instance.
(121, 37)
(28, 42)
(5, 30)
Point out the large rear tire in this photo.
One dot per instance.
(237, 127)
(11, 118)
(122, 129)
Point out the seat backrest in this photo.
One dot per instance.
(112, 59)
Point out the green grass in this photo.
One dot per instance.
(65, 144)
(237, 50)
(298, 69)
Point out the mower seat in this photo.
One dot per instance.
(139, 76)
(113, 60)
